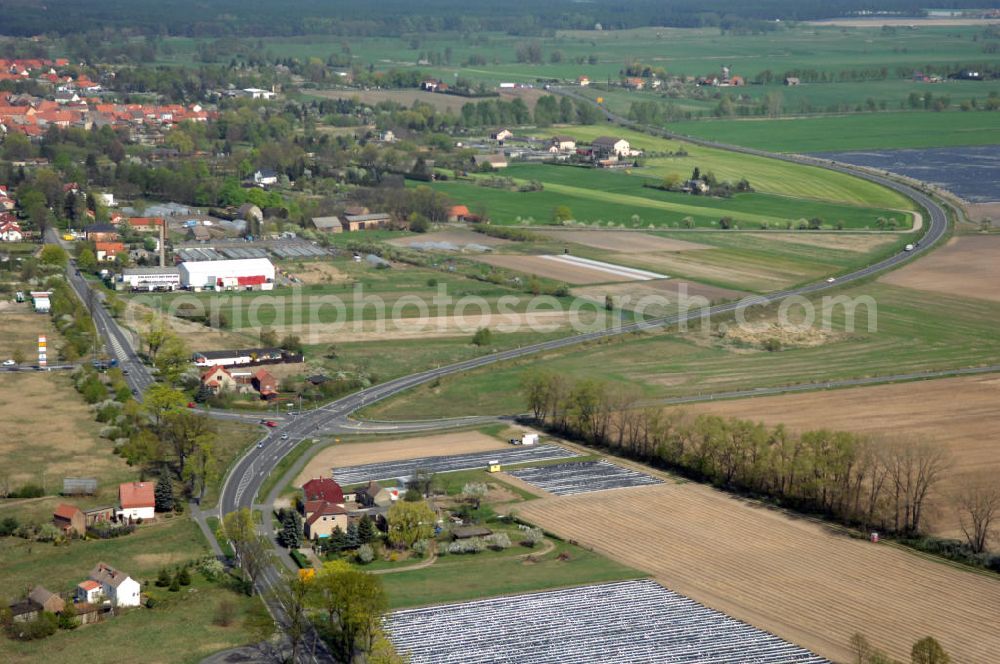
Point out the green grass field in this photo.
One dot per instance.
(619, 198)
(765, 175)
(457, 578)
(867, 131)
(184, 616)
(915, 331)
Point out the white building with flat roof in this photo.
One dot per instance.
(151, 278)
(241, 274)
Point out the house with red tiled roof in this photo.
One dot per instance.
(458, 213)
(323, 488)
(218, 379)
(136, 501)
(88, 591)
(145, 224)
(265, 383)
(108, 251)
(69, 519)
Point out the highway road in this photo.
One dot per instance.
(242, 483)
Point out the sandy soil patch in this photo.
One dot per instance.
(621, 241)
(789, 336)
(318, 272)
(354, 454)
(459, 237)
(793, 577)
(21, 327)
(966, 266)
(435, 327)
(957, 413)
(858, 243)
(550, 269)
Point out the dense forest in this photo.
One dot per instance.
(197, 18)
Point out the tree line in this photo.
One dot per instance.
(858, 480)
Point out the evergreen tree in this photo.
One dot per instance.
(290, 536)
(366, 530)
(163, 578)
(353, 541)
(184, 577)
(337, 541)
(163, 494)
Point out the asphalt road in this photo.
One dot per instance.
(246, 476)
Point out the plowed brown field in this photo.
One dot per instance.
(793, 577)
(966, 266)
(957, 413)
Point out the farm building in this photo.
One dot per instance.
(374, 495)
(458, 213)
(49, 601)
(69, 519)
(241, 274)
(79, 486)
(563, 143)
(328, 224)
(117, 586)
(108, 251)
(136, 501)
(608, 146)
(101, 233)
(145, 224)
(365, 222)
(494, 160)
(265, 383)
(88, 591)
(24, 611)
(151, 278)
(99, 514)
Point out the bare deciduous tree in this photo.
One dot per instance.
(977, 501)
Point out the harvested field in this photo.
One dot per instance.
(706, 266)
(459, 237)
(542, 266)
(619, 241)
(566, 479)
(967, 266)
(859, 243)
(981, 211)
(647, 624)
(353, 454)
(790, 576)
(446, 464)
(958, 413)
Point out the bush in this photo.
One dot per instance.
(299, 558)
(29, 491)
(366, 554)
(533, 536)
(163, 578)
(47, 532)
(8, 526)
(43, 626)
(421, 547)
(482, 337)
(499, 541)
(175, 585)
(150, 602)
(211, 569)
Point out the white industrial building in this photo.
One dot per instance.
(242, 274)
(151, 278)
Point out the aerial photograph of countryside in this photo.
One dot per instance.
(461, 332)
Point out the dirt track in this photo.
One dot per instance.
(958, 413)
(968, 266)
(790, 576)
(353, 454)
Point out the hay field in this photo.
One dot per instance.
(793, 577)
(355, 454)
(957, 413)
(49, 433)
(968, 266)
(21, 327)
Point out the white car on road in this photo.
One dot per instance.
(9, 363)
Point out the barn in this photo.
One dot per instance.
(242, 274)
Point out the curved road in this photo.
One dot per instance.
(246, 476)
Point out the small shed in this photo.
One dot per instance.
(467, 532)
(493, 466)
(529, 439)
